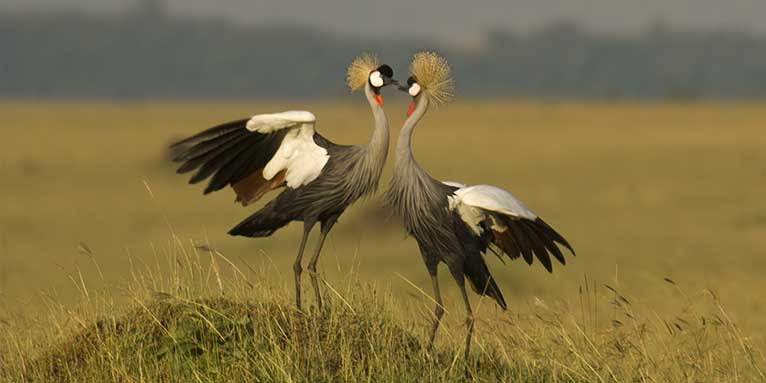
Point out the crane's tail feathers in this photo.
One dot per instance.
(481, 280)
(262, 223)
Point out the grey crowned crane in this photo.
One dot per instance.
(269, 151)
(454, 223)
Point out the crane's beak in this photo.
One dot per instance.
(403, 88)
(386, 81)
(389, 81)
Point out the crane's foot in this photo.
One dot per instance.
(467, 372)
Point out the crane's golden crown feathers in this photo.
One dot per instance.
(359, 71)
(432, 73)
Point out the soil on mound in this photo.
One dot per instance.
(222, 338)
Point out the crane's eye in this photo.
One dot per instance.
(376, 79)
(411, 80)
(414, 89)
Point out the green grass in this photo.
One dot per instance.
(643, 191)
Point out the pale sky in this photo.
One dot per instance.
(451, 21)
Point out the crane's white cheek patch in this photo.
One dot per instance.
(376, 79)
(414, 90)
(300, 155)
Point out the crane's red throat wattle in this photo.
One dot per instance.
(379, 99)
(411, 108)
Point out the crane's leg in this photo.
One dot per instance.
(460, 279)
(307, 226)
(326, 227)
(439, 310)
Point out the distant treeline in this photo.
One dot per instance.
(148, 55)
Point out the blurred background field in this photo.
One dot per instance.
(644, 191)
(635, 129)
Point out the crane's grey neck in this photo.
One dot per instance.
(404, 143)
(415, 195)
(377, 147)
(365, 162)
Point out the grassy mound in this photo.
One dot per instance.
(226, 340)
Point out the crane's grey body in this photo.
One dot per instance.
(349, 173)
(421, 200)
(450, 230)
(352, 172)
(423, 204)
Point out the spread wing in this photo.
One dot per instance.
(254, 156)
(508, 224)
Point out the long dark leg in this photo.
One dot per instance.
(326, 226)
(439, 310)
(460, 279)
(297, 268)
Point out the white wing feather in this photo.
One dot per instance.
(475, 203)
(298, 154)
(267, 123)
(494, 199)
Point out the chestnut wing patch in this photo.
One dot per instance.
(254, 186)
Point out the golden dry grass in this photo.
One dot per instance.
(643, 191)
(246, 331)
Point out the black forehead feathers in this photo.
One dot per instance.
(411, 80)
(386, 70)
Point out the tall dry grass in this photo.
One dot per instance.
(195, 316)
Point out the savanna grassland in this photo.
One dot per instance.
(113, 269)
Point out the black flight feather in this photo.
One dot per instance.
(537, 245)
(549, 243)
(554, 234)
(518, 235)
(200, 149)
(221, 159)
(212, 133)
(209, 152)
